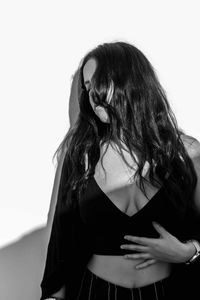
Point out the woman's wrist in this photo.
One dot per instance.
(196, 256)
(189, 251)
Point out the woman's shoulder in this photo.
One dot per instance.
(192, 145)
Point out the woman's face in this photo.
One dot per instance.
(88, 71)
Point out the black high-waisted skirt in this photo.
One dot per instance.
(93, 287)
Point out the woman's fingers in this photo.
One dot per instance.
(138, 256)
(140, 240)
(134, 247)
(146, 263)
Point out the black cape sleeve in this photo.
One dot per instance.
(69, 247)
(59, 249)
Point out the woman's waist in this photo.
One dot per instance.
(122, 271)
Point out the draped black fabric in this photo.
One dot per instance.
(59, 246)
(67, 254)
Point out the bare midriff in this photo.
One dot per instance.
(121, 271)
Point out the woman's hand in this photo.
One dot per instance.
(165, 248)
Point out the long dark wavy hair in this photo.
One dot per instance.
(140, 117)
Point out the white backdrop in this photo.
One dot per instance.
(42, 43)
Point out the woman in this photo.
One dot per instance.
(127, 170)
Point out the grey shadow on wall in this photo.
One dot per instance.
(22, 262)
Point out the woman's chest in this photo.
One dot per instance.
(114, 178)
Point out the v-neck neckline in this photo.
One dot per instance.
(119, 210)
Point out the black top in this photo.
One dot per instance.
(107, 224)
(96, 225)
